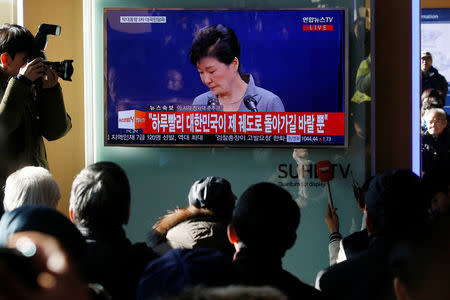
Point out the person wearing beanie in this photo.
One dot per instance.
(202, 224)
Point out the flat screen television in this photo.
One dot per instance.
(295, 58)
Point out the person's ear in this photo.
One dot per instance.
(71, 214)
(232, 235)
(5, 59)
(235, 64)
(401, 293)
(369, 223)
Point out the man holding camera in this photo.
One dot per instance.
(28, 110)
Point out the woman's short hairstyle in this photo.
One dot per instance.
(30, 185)
(217, 41)
(100, 196)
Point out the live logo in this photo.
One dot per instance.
(326, 27)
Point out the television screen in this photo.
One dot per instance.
(266, 78)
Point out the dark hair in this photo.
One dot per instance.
(432, 94)
(14, 39)
(218, 41)
(437, 180)
(422, 260)
(266, 217)
(396, 202)
(100, 196)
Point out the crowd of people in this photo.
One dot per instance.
(435, 129)
(219, 243)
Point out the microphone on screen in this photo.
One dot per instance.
(213, 101)
(250, 103)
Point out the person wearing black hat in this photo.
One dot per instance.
(203, 224)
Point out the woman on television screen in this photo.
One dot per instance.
(216, 53)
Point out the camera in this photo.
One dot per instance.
(64, 69)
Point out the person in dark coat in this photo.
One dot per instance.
(420, 266)
(100, 206)
(431, 77)
(436, 140)
(263, 227)
(396, 207)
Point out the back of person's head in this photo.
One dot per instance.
(100, 197)
(46, 220)
(30, 185)
(214, 194)
(420, 265)
(266, 218)
(14, 39)
(179, 269)
(395, 204)
(216, 41)
(432, 94)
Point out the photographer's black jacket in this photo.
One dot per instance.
(26, 117)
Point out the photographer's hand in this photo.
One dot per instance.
(52, 78)
(33, 70)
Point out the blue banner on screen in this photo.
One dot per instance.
(173, 78)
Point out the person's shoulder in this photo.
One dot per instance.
(202, 99)
(427, 138)
(437, 74)
(267, 100)
(294, 286)
(339, 274)
(265, 94)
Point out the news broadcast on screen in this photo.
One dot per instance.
(237, 78)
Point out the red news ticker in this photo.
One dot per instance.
(268, 123)
(315, 27)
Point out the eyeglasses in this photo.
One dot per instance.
(435, 121)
